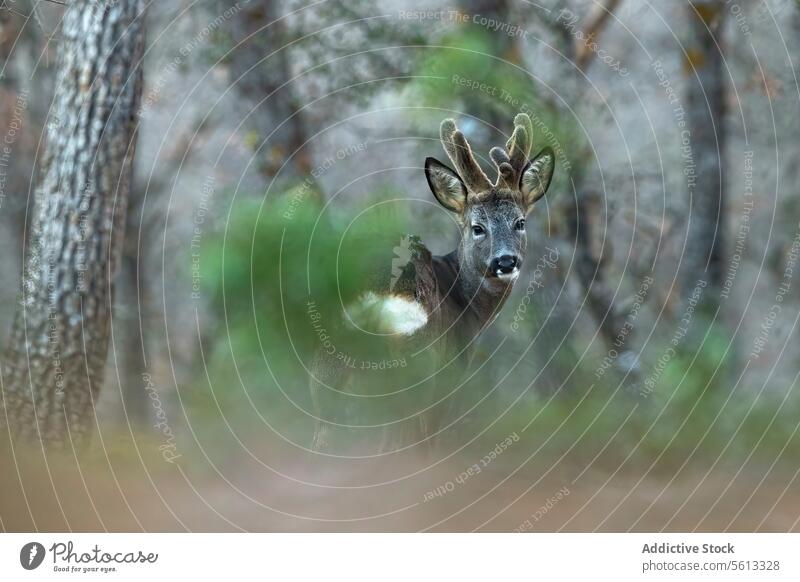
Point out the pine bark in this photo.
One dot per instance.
(52, 369)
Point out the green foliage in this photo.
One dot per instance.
(465, 70)
(695, 413)
(281, 271)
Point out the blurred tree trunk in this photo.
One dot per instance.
(54, 363)
(703, 165)
(13, 110)
(22, 105)
(586, 206)
(130, 333)
(262, 60)
(503, 46)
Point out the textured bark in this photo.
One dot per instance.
(705, 107)
(53, 366)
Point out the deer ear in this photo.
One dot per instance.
(446, 185)
(535, 178)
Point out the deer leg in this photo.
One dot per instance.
(322, 409)
(400, 435)
(328, 379)
(432, 419)
(386, 439)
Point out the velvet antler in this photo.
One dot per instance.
(510, 164)
(459, 152)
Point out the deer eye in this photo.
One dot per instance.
(478, 230)
(520, 224)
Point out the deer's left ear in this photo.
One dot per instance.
(446, 185)
(535, 178)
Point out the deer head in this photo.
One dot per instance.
(491, 216)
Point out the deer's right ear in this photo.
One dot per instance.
(446, 185)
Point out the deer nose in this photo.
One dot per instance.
(504, 264)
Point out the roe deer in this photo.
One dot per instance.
(439, 304)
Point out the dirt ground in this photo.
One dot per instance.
(122, 485)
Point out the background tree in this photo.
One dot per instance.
(54, 363)
(704, 163)
(586, 206)
(25, 93)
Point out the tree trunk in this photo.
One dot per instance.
(703, 164)
(502, 46)
(591, 270)
(23, 103)
(258, 33)
(130, 336)
(590, 266)
(53, 366)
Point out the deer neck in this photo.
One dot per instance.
(478, 298)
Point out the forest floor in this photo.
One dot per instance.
(124, 486)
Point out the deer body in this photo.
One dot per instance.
(435, 306)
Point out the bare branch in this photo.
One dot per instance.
(593, 29)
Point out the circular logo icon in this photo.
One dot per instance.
(31, 555)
